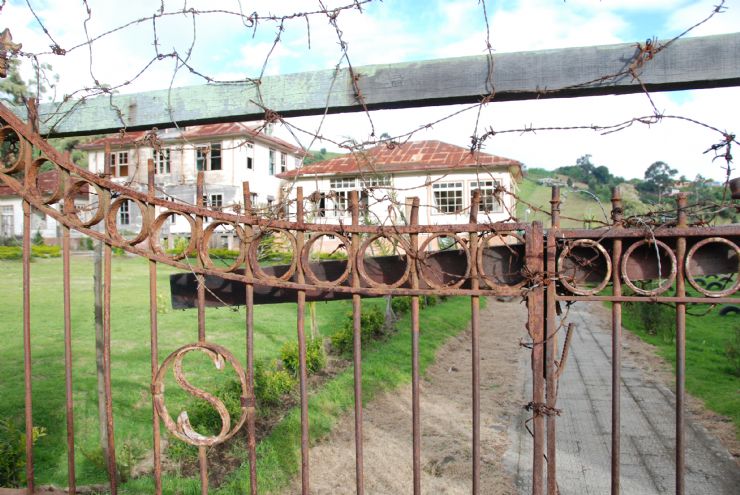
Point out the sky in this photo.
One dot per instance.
(225, 47)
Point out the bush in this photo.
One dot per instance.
(203, 416)
(220, 253)
(401, 305)
(46, 251)
(38, 239)
(11, 253)
(271, 385)
(13, 452)
(315, 357)
(371, 324)
(656, 319)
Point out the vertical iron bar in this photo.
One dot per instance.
(551, 343)
(154, 343)
(475, 341)
(535, 325)
(112, 472)
(251, 438)
(415, 376)
(617, 217)
(300, 239)
(680, 348)
(71, 481)
(27, 341)
(199, 221)
(357, 348)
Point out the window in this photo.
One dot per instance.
(250, 156)
(119, 164)
(283, 162)
(253, 198)
(124, 213)
(208, 156)
(217, 200)
(162, 161)
(374, 181)
(6, 221)
(490, 201)
(341, 188)
(271, 169)
(448, 197)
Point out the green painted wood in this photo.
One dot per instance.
(701, 62)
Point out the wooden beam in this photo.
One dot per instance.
(690, 63)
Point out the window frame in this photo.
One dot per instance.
(250, 155)
(124, 213)
(115, 163)
(272, 162)
(495, 199)
(448, 187)
(162, 161)
(205, 158)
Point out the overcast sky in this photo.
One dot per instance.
(396, 31)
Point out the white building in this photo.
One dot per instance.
(11, 213)
(229, 154)
(443, 176)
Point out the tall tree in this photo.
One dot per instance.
(659, 179)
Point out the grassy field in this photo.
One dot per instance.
(130, 353)
(386, 365)
(710, 375)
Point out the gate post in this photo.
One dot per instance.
(551, 341)
(535, 326)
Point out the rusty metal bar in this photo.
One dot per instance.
(249, 302)
(300, 241)
(154, 346)
(415, 375)
(617, 217)
(27, 344)
(111, 445)
(535, 326)
(357, 348)
(680, 349)
(551, 342)
(199, 219)
(660, 299)
(475, 342)
(69, 397)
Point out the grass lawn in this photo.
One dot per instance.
(708, 371)
(386, 365)
(130, 353)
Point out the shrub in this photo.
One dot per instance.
(10, 253)
(203, 416)
(38, 239)
(220, 253)
(401, 304)
(315, 357)
(656, 319)
(13, 452)
(271, 385)
(371, 324)
(43, 251)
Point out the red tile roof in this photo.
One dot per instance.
(47, 182)
(417, 155)
(191, 133)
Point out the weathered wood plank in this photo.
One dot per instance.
(701, 62)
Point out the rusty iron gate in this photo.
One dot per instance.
(547, 268)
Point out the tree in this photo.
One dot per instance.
(659, 179)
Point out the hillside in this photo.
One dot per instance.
(578, 205)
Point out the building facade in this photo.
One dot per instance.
(228, 154)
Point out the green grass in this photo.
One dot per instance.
(386, 365)
(708, 372)
(130, 353)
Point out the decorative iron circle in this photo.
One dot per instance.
(305, 262)
(360, 263)
(254, 259)
(156, 247)
(73, 190)
(565, 254)
(482, 243)
(662, 287)
(421, 261)
(690, 277)
(208, 232)
(32, 185)
(14, 163)
(113, 228)
(182, 429)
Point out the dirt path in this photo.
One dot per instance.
(446, 421)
